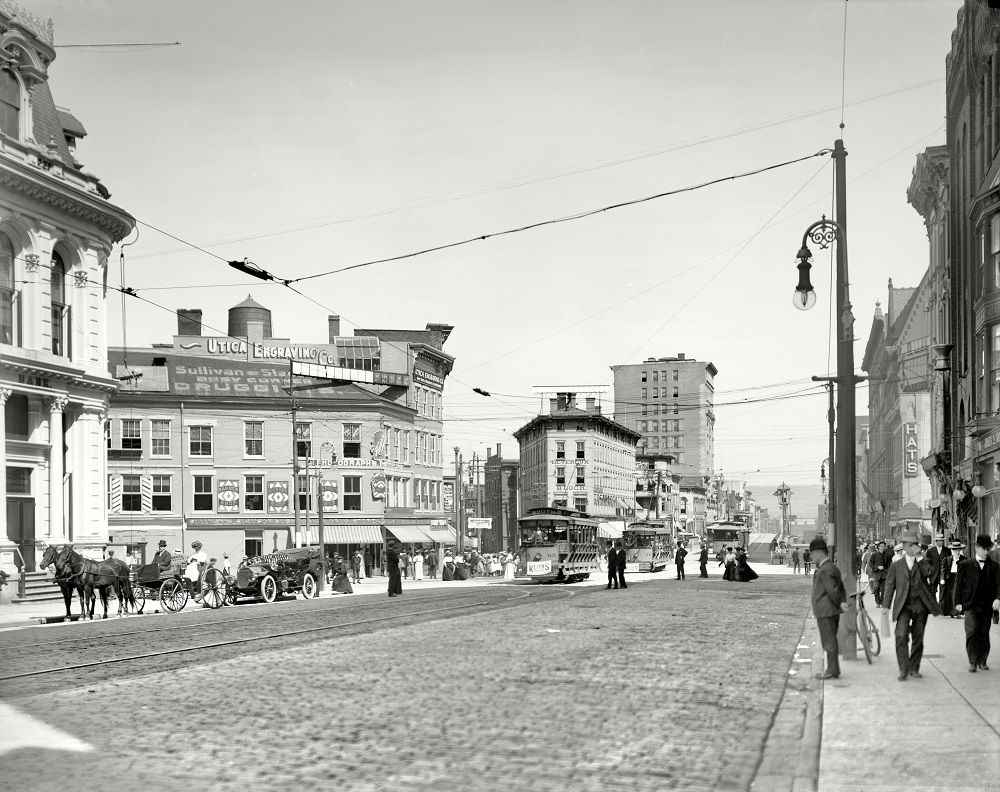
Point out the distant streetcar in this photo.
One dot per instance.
(560, 545)
(721, 535)
(648, 546)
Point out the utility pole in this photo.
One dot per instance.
(831, 507)
(295, 454)
(459, 500)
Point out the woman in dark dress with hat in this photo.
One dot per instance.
(744, 573)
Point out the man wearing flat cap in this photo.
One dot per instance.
(977, 594)
(909, 597)
(829, 600)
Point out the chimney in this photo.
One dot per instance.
(189, 321)
(498, 450)
(591, 401)
(333, 321)
(680, 356)
(553, 405)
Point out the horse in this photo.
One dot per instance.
(101, 575)
(67, 583)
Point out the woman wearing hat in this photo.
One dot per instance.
(200, 558)
(977, 594)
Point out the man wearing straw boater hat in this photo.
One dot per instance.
(977, 593)
(910, 600)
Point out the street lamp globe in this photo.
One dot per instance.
(804, 297)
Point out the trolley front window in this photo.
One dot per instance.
(543, 533)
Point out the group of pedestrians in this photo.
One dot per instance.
(910, 585)
(737, 568)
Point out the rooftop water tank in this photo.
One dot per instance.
(248, 311)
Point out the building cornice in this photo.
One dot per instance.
(56, 372)
(65, 198)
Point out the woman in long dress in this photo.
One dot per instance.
(448, 570)
(418, 565)
(744, 573)
(509, 567)
(341, 583)
(730, 561)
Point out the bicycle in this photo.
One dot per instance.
(867, 630)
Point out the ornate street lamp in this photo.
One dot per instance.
(823, 233)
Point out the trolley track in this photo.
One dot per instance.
(111, 655)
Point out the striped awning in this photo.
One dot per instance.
(609, 530)
(442, 534)
(347, 534)
(409, 533)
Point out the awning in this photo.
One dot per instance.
(350, 534)
(609, 530)
(443, 534)
(757, 538)
(409, 533)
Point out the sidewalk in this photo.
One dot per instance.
(941, 732)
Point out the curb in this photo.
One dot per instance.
(789, 760)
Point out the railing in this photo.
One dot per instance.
(8, 548)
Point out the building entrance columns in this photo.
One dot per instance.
(56, 530)
(4, 395)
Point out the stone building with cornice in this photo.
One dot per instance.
(57, 229)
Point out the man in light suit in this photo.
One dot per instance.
(911, 602)
(829, 600)
(977, 594)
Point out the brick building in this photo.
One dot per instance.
(578, 459)
(201, 445)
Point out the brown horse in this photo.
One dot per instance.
(101, 575)
(67, 583)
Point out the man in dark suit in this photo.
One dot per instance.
(949, 574)
(911, 602)
(829, 600)
(935, 554)
(977, 593)
(679, 555)
(703, 561)
(613, 566)
(878, 568)
(392, 570)
(622, 558)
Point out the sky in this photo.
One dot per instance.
(308, 137)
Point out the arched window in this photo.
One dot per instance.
(10, 105)
(60, 310)
(9, 315)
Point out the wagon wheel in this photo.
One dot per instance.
(173, 596)
(308, 585)
(214, 588)
(268, 588)
(139, 596)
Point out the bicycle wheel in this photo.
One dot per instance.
(874, 640)
(864, 634)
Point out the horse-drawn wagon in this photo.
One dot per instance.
(297, 569)
(172, 588)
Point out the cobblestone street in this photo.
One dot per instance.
(667, 685)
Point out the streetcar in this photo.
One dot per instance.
(721, 535)
(559, 545)
(648, 546)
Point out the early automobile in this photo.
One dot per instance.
(286, 572)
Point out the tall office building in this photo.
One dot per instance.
(670, 402)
